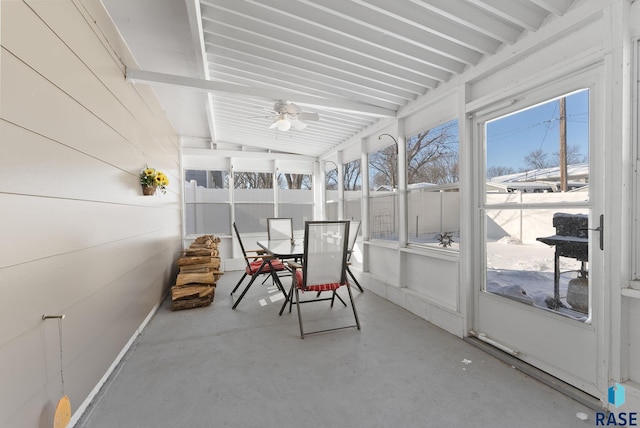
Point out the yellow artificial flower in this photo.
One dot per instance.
(153, 177)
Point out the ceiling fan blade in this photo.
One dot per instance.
(308, 116)
(274, 124)
(297, 124)
(293, 109)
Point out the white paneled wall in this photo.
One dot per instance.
(78, 237)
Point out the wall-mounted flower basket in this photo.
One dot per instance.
(151, 180)
(148, 190)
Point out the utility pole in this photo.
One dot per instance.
(563, 145)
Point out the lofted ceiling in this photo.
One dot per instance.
(218, 66)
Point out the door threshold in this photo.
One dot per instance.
(551, 381)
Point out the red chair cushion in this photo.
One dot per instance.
(315, 287)
(255, 265)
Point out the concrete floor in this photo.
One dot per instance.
(218, 367)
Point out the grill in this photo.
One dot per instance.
(571, 240)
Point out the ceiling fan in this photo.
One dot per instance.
(288, 115)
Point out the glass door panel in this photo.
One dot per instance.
(536, 210)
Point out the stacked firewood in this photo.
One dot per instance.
(199, 271)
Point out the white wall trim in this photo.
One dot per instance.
(434, 253)
(79, 413)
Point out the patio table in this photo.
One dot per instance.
(283, 249)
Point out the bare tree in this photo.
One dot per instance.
(384, 167)
(497, 171)
(443, 170)
(253, 180)
(431, 155)
(331, 180)
(574, 155)
(537, 159)
(352, 179)
(431, 158)
(294, 181)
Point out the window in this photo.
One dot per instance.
(207, 204)
(383, 197)
(295, 198)
(253, 200)
(537, 186)
(352, 190)
(433, 197)
(331, 193)
(352, 176)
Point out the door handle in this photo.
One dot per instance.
(598, 229)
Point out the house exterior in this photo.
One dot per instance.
(82, 241)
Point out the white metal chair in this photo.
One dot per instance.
(354, 229)
(279, 228)
(258, 263)
(323, 268)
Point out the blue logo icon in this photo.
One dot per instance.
(616, 395)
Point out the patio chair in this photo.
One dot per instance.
(354, 229)
(258, 263)
(279, 228)
(323, 268)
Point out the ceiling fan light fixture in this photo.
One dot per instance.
(288, 116)
(283, 124)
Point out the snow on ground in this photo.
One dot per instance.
(524, 272)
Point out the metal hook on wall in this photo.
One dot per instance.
(46, 317)
(62, 415)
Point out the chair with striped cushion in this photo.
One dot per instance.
(258, 263)
(323, 268)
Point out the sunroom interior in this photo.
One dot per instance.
(488, 148)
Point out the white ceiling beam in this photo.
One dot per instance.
(242, 76)
(376, 22)
(242, 154)
(512, 11)
(315, 15)
(266, 43)
(197, 35)
(303, 83)
(233, 48)
(144, 76)
(557, 7)
(296, 29)
(427, 20)
(473, 17)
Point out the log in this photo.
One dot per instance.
(194, 260)
(190, 269)
(211, 264)
(206, 241)
(202, 252)
(196, 282)
(191, 296)
(189, 304)
(192, 291)
(208, 244)
(206, 238)
(196, 270)
(196, 277)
